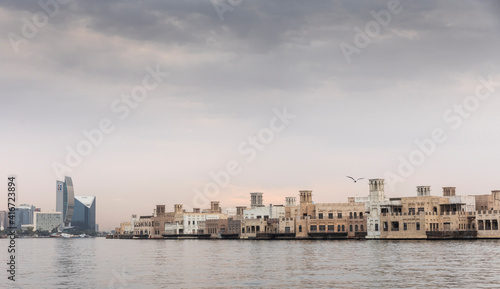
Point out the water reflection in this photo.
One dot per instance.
(100, 263)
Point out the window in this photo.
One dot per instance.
(405, 226)
(421, 210)
(350, 228)
(350, 215)
(487, 225)
(386, 227)
(320, 216)
(330, 215)
(338, 228)
(361, 228)
(343, 228)
(300, 228)
(480, 225)
(494, 225)
(411, 210)
(339, 215)
(314, 228)
(360, 215)
(189, 222)
(355, 215)
(418, 226)
(376, 227)
(394, 226)
(322, 227)
(331, 228)
(243, 230)
(356, 228)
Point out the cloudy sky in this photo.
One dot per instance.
(362, 84)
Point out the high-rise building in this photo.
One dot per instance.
(24, 215)
(65, 201)
(84, 213)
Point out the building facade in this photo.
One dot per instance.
(84, 214)
(46, 221)
(65, 201)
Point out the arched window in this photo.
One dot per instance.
(338, 228)
(300, 228)
(356, 228)
(350, 228)
(350, 215)
(360, 215)
(243, 230)
(355, 215)
(361, 227)
(343, 228)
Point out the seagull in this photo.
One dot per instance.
(355, 180)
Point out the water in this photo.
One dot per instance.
(101, 263)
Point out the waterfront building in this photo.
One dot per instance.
(233, 228)
(44, 221)
(422, 216)
(216, 227)
(161, 218)
(328, 220)
(191, 221)
(23, 215)
(143, 227)
(65, 201)
(251, 227)
(84, 214)
(487, 219)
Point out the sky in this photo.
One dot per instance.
(184, 102)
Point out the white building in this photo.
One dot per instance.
(46, 221)
(174, 229)
(468, 202)
(230, 212)
(190, 221)
(265, 212)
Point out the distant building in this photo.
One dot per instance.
(84, 213)
(65, 201)
(24, 215)
(46, 221)
(3, 220)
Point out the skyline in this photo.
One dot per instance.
(216, 82)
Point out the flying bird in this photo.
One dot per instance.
(355, 180)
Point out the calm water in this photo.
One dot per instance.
(101, 263)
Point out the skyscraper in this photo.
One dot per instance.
(65, 201)
(24, 215)
(84, 214)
